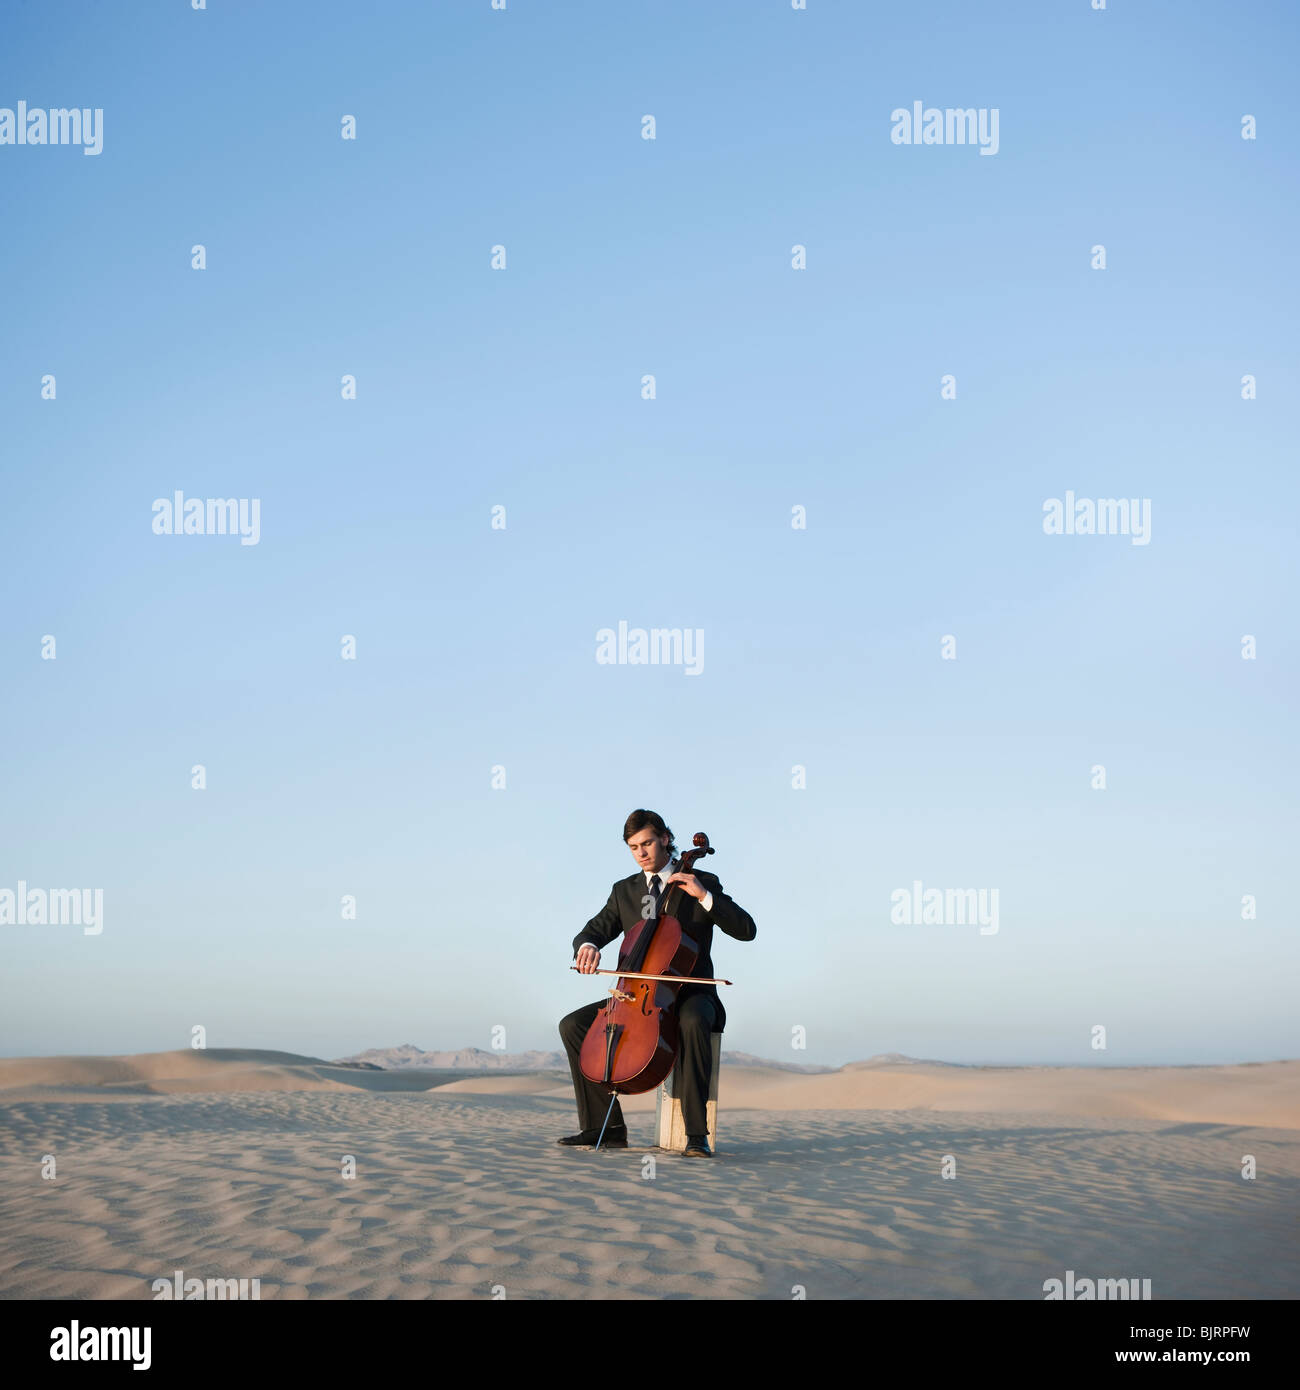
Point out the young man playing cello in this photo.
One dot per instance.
(699, 1009)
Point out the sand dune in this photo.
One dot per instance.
(534, 1084)
(1265, 1094)
(210, 1070)
(229, 1164)
(460, 1196)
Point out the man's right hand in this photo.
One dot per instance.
(588, 959)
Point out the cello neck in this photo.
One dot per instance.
(671, 896)
(669, 899)
(684, 864)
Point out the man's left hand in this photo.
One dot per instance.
(690, 884)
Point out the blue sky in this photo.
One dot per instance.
(776, 388)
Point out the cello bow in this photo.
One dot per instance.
(674, 979)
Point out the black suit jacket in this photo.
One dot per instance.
(623, 910)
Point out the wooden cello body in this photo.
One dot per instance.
(632, 1045)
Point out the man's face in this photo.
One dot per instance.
(648, 849)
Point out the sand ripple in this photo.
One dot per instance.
(458, 1194)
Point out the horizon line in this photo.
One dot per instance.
(901, 1056)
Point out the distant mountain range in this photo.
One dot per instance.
(476, 1059)
(407, 1056)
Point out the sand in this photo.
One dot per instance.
(227, 1164)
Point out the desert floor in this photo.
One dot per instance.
(230, 1165)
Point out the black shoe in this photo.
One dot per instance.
(697, 1146)
(615, 1138)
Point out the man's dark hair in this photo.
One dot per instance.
(638, 820)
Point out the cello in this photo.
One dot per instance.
(632, 1045)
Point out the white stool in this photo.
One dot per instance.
(670, 1130)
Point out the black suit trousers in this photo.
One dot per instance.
(697, 1019)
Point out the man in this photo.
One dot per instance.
(699, 1010)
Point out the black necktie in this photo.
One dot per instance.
(654, 892)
